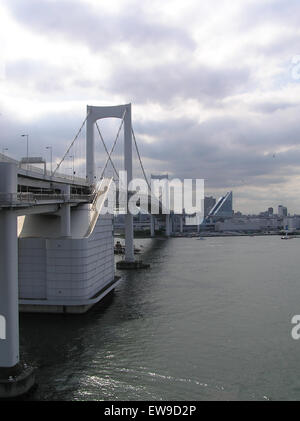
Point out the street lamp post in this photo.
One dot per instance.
(72, 156)
(50, 148)
(27, 149)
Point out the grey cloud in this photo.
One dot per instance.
(225, 152)
(271, 107)
(36, 75)
(78, 21)
(284, 46)
(281, 12)
(161, 83)
(59, 81)
(273, 130)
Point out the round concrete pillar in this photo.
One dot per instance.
(15, 378)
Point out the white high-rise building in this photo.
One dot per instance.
(282, 211)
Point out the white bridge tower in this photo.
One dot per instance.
(123, 112)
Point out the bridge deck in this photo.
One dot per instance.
(34, 172)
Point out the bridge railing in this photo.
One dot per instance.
(47, 173)
(24, 198)
(34, 169)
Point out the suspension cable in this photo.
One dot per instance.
(114, 144)
(74, 140)
(139, 156)
(106, 150)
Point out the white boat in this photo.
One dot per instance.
(286, 237)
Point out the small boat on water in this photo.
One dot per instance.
(287, 237)
(120, 249)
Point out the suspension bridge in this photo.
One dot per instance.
(56, 247)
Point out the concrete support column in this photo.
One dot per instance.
(181, 224)
(15, 378)
(65, 214)
(152, 225)
(9, 307)
(198, 224)
(65, 220)
(129, 246)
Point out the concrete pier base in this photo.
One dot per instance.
(16, 381)
(79, 306)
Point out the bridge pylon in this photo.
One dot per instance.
(123, 112)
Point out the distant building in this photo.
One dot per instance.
(263, 214)
(249, 224)
(209, 203)
(291, 223)
(239, 224)
(282, 211)
(270, 211)
(223, 208)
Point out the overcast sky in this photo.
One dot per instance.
(214, 85)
